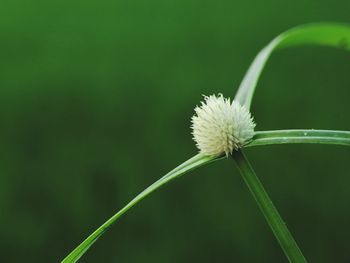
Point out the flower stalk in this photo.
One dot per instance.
(270, 212)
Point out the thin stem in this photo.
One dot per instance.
(270, 212)
(300, 136)
(317, 34)
(191, 164)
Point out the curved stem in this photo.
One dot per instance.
(270, 212)
(300, 136)
(195, 162)
(318, 34)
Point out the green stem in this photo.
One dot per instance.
(191, 164)
(270, 212)
(317, 34)
(300, 136)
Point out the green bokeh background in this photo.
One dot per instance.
(95, 104)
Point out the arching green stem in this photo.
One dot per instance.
(191, 164)
(318, 34)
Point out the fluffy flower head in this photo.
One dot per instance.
(220, 126)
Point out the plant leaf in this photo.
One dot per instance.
(321, 34)
(300, 136)
(194, 162)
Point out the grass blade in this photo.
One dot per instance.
(195, 162)
(300, 136)
(270, 212)
(321, 34)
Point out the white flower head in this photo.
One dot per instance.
(220, 126)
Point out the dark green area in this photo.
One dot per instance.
(95, 104)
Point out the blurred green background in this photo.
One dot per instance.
(95, 104)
